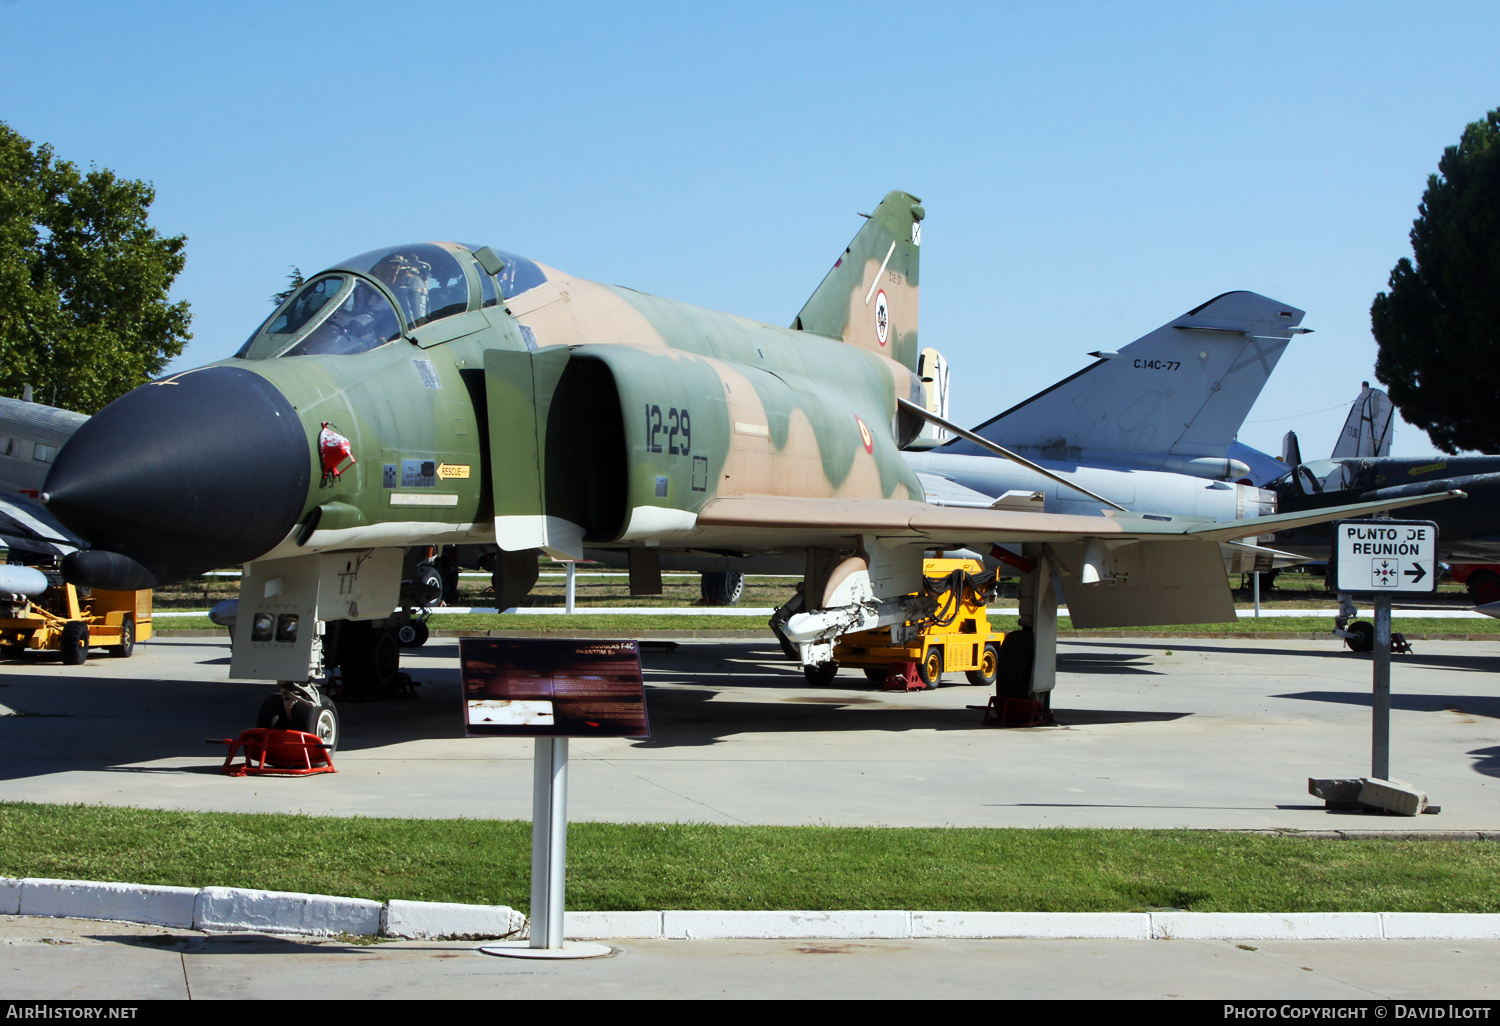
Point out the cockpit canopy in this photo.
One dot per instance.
(389, 293)
(1318, 476)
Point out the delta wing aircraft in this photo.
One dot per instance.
(438, 393)
(1150, 427)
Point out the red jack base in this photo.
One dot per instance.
(282, 753)
(901, 676)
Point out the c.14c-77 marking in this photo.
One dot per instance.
(1166, 365)
(674, 424)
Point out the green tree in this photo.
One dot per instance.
(1438, 328)
(84, 281)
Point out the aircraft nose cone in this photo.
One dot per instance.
(204, 470)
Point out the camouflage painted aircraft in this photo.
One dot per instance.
(437, 393)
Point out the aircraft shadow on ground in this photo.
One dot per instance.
(1104, 662)
(1487, 761)
(1439, 661)
(1471, 705)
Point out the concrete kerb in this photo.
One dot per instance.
(230, 909)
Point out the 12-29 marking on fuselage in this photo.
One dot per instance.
(675, 423)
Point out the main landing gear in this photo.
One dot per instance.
(301, 706)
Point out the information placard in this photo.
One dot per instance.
(545, 687)
(1374, 557)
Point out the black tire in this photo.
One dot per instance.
(73, 648)
(321, 720)
(12, 651)
(876, 673)
(272, 713)
(448, 570)
(989, 667)
(1484, 587)
(1363, 639)
(722, 589)
(385, 660)
(1017, 653)
(413, 635)
(930, 669)
(127, 638)
(822, 675)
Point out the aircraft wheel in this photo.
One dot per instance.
(821, 675)
(385, 660)
(1484, 588)
(875, 674)
(321, 720)
(74, 648)
(722, 589)
(272, 713)
(1364, 637)
(989, 667)
(127, 639)
(930, 669)
(1017, 652)
(413, 635)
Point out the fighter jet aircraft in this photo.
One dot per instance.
(1149, 427)
(30, 436)
(439, 393)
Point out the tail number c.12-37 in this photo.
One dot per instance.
(676, 425)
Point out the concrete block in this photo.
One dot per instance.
(89, 899)
(1266, 925)
(1441, 925)
(429, 920)
(1093, 925)
(1393, 795)
(881, 924)
(611, 925)
(224, 909)
(10, 896)
(1335, 790)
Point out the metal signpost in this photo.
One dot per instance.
(1379, 558)
(551, 690)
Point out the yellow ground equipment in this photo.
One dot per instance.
(957, 637)
(57, 618)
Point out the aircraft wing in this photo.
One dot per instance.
(805, 521)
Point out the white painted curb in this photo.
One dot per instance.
(223, 909)
(430, 920)
(1440, 926)
(228, 909)
(10, 896)
(90, 899)
(1266, 926)
(785, 925)
(1091, 925)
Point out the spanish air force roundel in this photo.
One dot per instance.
(882, 316)
(865, 436)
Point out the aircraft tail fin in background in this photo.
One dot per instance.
(1367, 432)
(869, 298)
(1183, 389)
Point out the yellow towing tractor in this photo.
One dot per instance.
(957, 637)
(40, 611)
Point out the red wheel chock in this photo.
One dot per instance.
(282, 753)
(1016, 712)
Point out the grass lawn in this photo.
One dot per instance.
(675, 866)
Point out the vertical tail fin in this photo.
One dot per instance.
(869, 299)
(1367, 432)
(1183, 389)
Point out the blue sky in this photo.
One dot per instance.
(1090, 170)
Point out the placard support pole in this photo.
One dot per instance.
(549, 841)
(1380, 748)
